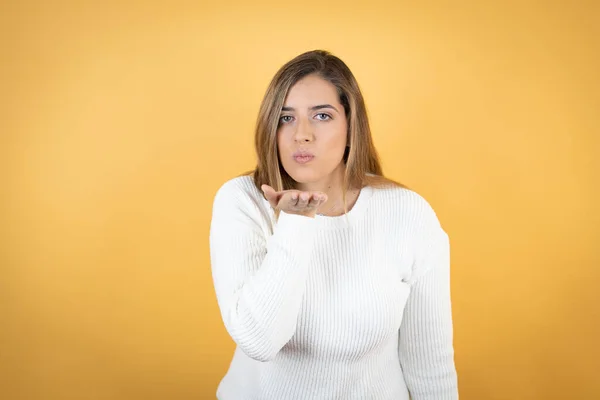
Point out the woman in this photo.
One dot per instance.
(332, 280)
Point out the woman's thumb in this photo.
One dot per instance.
(268, 191)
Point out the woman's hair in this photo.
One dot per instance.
(361, 159)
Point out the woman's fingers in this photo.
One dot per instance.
(294, 200)
(303, 199)
(315, 200)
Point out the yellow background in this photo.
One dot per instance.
(120, 120)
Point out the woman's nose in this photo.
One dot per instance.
(304, 132)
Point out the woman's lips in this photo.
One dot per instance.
(304, 158)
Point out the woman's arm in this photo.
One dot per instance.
(259, 279)
(426, 334)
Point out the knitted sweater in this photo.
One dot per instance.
(348, 307)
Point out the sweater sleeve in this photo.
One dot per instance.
(259, 279)
(425, 347)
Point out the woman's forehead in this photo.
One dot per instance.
(310, 92)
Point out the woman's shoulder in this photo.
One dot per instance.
(401, 195)
(406, 203)
(239, 184)
(239, 193)
(239, 188)
(396, 193)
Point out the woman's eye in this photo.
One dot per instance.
(323, 117)
(285, 118)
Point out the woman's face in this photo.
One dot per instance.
(312, 132)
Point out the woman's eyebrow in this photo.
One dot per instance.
(314, 108)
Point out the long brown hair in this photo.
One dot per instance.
(361, 158)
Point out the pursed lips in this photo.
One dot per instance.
(303, 153)
(303, 156)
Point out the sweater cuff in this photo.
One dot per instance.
(296, 234)
(288, 223)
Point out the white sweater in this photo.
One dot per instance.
(349, 307)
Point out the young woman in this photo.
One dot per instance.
(333, 281)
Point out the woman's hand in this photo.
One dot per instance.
(295, 201)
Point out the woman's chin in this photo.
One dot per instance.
(305, 176)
